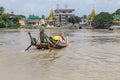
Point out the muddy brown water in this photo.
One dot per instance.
(90, 55)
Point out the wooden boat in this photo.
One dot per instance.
(58, 44)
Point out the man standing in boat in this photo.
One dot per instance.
(42, 32)
(43, 37)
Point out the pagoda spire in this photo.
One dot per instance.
(51, 15)
(91, 18)
(93, 14)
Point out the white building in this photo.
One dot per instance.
(83, 22)
(62, 15)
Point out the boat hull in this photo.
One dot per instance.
(53, 44)
(49, 46)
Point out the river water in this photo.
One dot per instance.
(90, 55)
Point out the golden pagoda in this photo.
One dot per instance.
(92, 14)
(91, 18)
(51, 17)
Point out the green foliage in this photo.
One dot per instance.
(2, 23)
(43, 16)
(2, 18)
(74, 19)
(13, 26)
(2, 10)
(118, 11)
(6, 23)
(5, 17)
(16, 19)
(84, 16)
(103, 20)
(78, 19)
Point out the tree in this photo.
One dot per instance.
(2, 10)
(118, 11)
(78, 19)
(102, 20)
(5, 20)
(43, 16)
(74, 19)
(84, 16)
(16, 19)
(2, 23)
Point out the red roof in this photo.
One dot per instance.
(66, 9)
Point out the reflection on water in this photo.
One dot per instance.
(91, 55)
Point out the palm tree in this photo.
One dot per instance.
(2, 10)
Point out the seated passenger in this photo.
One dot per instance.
(60, 38)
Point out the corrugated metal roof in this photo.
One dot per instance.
(33, 17)
(117, 16)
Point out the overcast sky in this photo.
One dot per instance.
(39, 7)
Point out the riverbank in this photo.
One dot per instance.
(51, 28)
(27, 29)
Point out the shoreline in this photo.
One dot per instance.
(25, 29)
(50, 28)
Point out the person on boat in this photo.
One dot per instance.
(43, 37)
(62, 36)
(42, 32)
(59, 38)
(63, 39)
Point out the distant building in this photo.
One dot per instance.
(11, 15)
(83, 21)
(22, 22)
(23, 17)
(116, 19)
(33, 20)
(62, 15)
